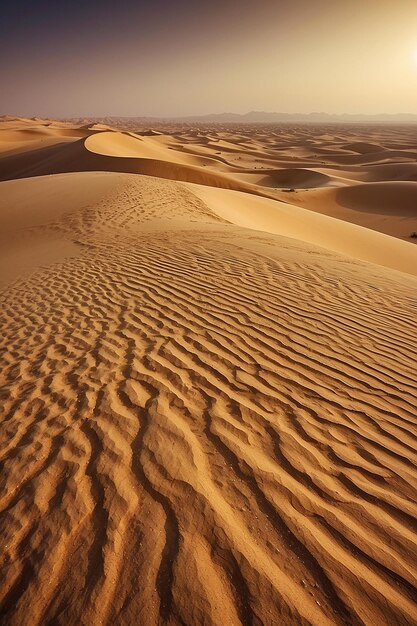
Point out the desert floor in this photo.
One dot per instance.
(208, 374)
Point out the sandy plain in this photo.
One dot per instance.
(208, 374)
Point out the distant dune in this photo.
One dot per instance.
(207, 374)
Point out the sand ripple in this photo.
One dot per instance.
(203, 424)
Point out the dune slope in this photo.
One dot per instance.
(202, 423)
(292, 221)
(388, 207)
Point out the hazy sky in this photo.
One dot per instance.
(182, 57)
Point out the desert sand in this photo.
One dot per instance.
(208, 374)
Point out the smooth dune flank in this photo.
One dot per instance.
(208, 388)
(334, 234)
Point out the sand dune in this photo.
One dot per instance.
(128, 145)
(390, 198)
(375, 157)
(363, 147)
(18, 141)
(76, 156)
(292, 221)
(392, 171)
(389, 207)
(298, 178)
(207, 395)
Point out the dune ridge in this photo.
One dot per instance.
(76, 157)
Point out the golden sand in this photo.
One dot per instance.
(208, 409)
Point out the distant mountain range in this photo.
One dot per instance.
(265, 117)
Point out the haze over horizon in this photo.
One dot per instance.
(198, 58)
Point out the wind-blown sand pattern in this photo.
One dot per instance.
(202, 421)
